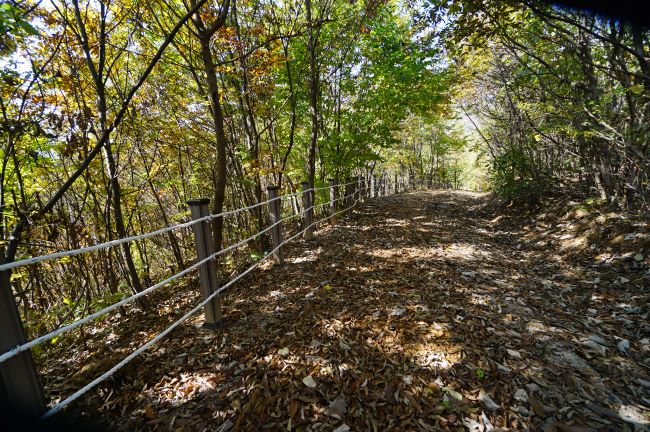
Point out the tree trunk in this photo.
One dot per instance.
(219, 177)
(313, 95)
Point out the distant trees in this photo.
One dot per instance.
(561, 97)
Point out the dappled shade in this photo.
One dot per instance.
(418, 312)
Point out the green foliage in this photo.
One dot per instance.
(12, 25)
(512, 175)
(556, 95)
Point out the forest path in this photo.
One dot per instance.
(420, 312)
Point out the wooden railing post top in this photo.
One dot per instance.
(272, 188)
(198, 201)
(331, 181)
(305, 184)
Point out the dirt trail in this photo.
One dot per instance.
(420, 312)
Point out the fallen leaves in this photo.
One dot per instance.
(487, 401)
(337, 408)
(309, 381)
(439, 320)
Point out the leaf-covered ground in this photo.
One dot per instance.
(423, 311)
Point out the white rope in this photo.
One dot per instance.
(100, 246)
(113, 243)
(76, 395)
(330, 202)
(28, 345)
(39, 340)
(44, 338)
(338, 185)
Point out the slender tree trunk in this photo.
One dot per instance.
(293, 121)
(313, 83)
(219, 177)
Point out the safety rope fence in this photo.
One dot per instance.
(336, 199)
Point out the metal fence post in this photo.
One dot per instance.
(334, 188)
(208, 270)
(275, 206)
(308, 207)
(20, 388)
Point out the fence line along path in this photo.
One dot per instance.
(20, 386)
(419, 301)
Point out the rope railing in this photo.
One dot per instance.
(51, 335)
(112, 243)
(350, 194)
(24, 347)
(58, 407)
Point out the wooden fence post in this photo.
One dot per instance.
(349, 195)
(207, 271)
(373, 185)
(357, 187)
(275, 212)
(20, 387)
(308, 207)
(334, 188)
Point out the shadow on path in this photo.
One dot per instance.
(417, 313)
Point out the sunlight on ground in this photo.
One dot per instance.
(308, 257)
(397, 222)
(574, 243)
(478, 299)
(463, 251)
(300, 260)
(181, 389)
